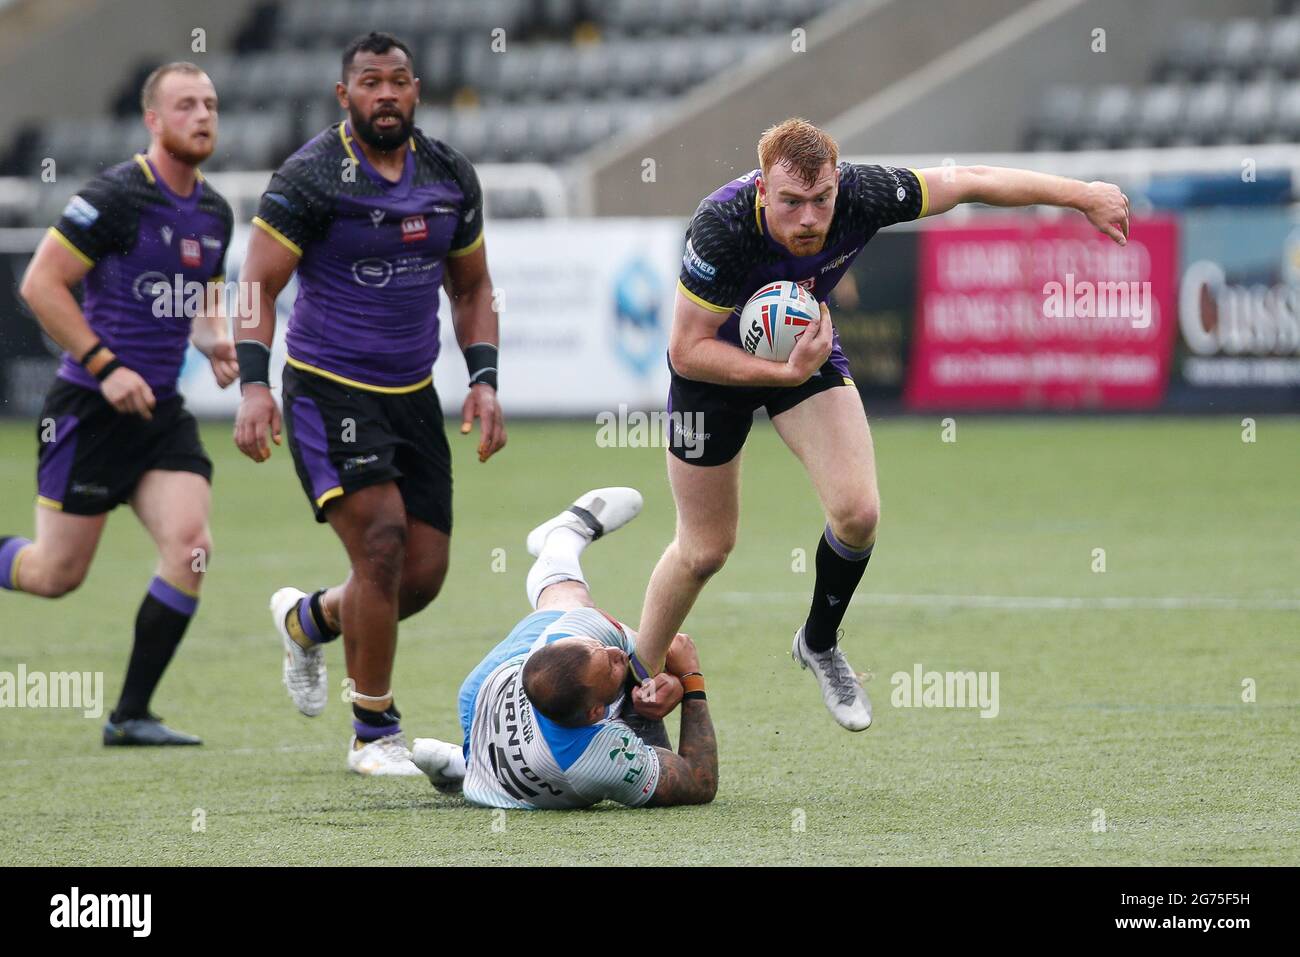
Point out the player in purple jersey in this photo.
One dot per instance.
(802, 216)
(375, 217)
(114, 429)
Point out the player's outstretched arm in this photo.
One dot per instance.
(268, 265)
(1104, 204)
(469, 287)
(47, 289)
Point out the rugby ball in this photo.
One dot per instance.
(774, 319)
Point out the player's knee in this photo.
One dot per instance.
(703, 561)
(193, 550)
(59, 581)
(855, 524)
(384, 550)
(421, 585)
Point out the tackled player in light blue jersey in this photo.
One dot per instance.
(547, 717)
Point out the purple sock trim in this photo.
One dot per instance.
(308, 621)
(373, 732)
(846, 553)
(8, 552)
(173, 597)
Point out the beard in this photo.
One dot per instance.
(383, 140)
(191, 152)
(807, 245)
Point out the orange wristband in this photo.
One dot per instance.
(693, 682)
(96, 363)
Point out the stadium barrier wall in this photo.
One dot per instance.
(587, 305)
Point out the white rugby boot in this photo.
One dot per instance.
(841, 690)
(594, 514)
(304, 668)
(442, 762)
(385, 757)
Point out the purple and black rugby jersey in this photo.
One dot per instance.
(138, 237)
(730, 255)
(372, 255)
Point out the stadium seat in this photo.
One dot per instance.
(1205, 114)
(1159, 111)
(1251, 116)
(1237, 48)
(1282, 47)
(1286, 126)
(1190, 57)
(1058, 118)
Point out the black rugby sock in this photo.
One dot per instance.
(160, 625)
(839, 569)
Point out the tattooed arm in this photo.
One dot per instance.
(691, 775)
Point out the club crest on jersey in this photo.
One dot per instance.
(414, 229)
(191, 252)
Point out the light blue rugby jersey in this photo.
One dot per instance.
(518, 758)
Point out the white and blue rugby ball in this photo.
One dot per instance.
(774, 319)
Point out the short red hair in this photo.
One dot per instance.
(799, 146)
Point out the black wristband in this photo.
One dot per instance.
(481, 360)
(93, 351)
(695, 696)
(112, 366)
(254, 362)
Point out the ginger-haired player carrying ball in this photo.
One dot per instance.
(801, 216)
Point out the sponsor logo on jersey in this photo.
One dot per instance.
(414, 229)
(210, 242)
(80, 212)
(166, 233)
(191, 253)
(900, 192)
(696, 266)
(372, 272)
(810, 283)
(376, 217)
(839, 260)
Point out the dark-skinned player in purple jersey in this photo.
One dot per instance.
(114, 429)
(375, 217)
(801, 216)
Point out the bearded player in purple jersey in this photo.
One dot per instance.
(802, 216)
(114, 429)
(374, 216)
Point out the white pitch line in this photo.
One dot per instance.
(1040, 602)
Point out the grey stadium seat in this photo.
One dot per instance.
(1286, 123)
(1282, 46)
(1252, 112)
(1159, 112)
(1206, 114)
(1238, 47)
(1191, 54)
